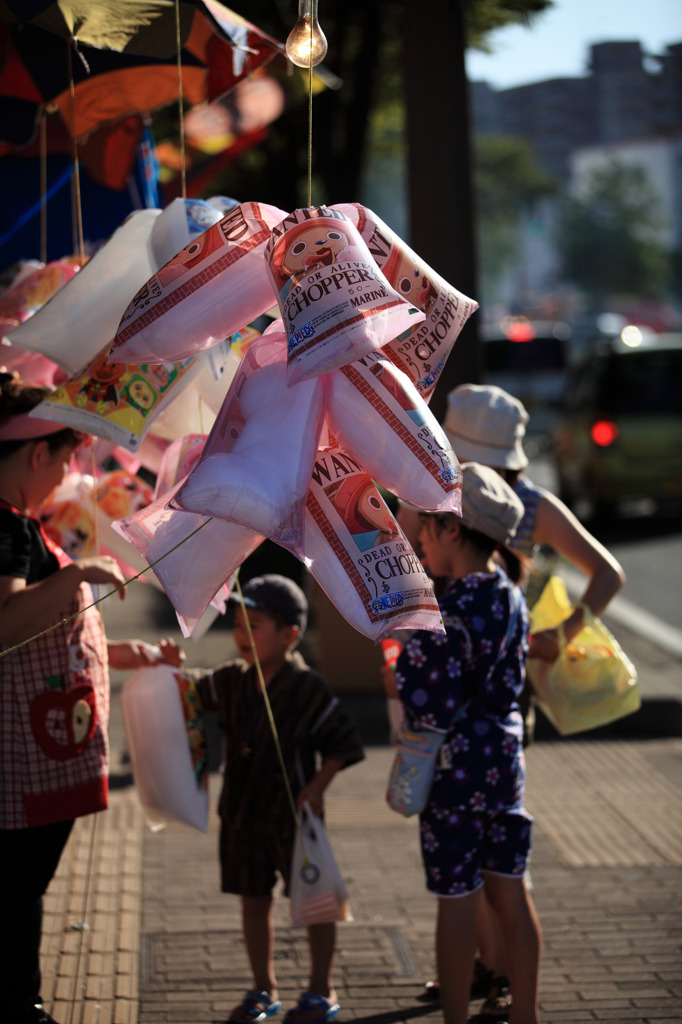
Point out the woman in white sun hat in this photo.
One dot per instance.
(486, 424)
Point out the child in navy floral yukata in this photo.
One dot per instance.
(475, 832)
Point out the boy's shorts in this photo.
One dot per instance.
(458, 847)
(250, 860)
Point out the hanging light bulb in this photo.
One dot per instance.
(306, 44)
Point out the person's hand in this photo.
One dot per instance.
(313, 796)
(389, 681)
(170, 653)
(544, 645)
(102, 569)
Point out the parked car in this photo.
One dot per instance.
(619, 433)
(529, 360)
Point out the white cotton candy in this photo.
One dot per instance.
(159, 746)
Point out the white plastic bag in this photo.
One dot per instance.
(318, 893)
(161, 742)
(83, 317)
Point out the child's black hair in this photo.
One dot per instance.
(515, 565)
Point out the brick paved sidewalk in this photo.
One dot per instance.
(607, 873)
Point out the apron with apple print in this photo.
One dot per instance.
(54, 697)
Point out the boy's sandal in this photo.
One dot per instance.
(311, 1009)
(497, 1007)
(255, 1006)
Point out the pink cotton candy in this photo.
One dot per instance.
(257, 462)
(210, 289)
(336, 304)
(421, 351)
(196, 565)
(358, 554)
(378, 415)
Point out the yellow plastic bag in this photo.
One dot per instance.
(592, 682)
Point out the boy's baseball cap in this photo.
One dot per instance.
(273, 593)
(489, 505)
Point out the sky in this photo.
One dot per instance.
(558, 43)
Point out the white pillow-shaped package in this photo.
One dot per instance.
(80, 321)
(192, 567)
(82, 318)
(257, 462)
(208, 290)
(117, 401)
(420, 352)
(358, 554)
(378, 415)
(160, 746)
(336, 305)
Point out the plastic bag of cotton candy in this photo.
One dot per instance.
(421, 351)
(336, 305)
(207, 291)
(358, 554)
(259, 455)
(192, 556)
(83, 317)
(376, 412)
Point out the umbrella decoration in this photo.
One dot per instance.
(123, 62)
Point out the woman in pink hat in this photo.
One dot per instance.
(54, 688)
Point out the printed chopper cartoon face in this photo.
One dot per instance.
(361, 507)
(315, 245)
(412, 284)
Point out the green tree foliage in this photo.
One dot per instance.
(508, 183)
(610, 235)
(365, 40)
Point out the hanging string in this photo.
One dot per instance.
(81, 924)
(43, 186)
(271, 719)
(79, 247)
(70, 618)
(181, 114)
(310, 119)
